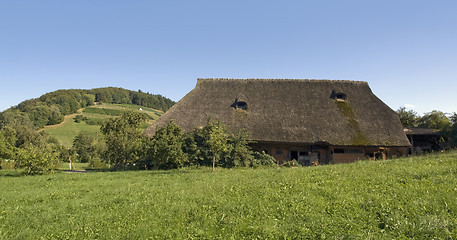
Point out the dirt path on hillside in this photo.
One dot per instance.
(65, 119)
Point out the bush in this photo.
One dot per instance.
(103, 111)
(263, 159)
(240, 153)
(166, 148)
(36, 160)
(94, 121)
(292, 163)
(78, 118)
(97, 163)
(7, 164)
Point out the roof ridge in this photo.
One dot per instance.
(281, 79)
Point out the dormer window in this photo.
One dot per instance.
(240, 105)
(338, 96)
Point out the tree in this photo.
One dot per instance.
(240, 153)
(56, 116)
(453, 118)
(216, 136)
(39, 115)
(7, 148)
(434, 120)
(23, 128)
(215, 145)
(408, 118)
(166, 148)
(193, 147)
(453, 135)
(36, 160)
(84, 146)
(123, 139)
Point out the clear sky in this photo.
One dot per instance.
(405, 49)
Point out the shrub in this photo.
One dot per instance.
(263, 159)
(7, 164)
(97, 163)
(36, 160)
(103, 111)
(292, 163)
(166, 148)
(240, 153)
(79, 118)
(94, 121)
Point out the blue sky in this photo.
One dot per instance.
(406, 50)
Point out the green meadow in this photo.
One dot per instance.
(409, 198)
(66, 132)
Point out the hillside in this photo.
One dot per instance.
(88, 120)
(410, 198)
(50, 108)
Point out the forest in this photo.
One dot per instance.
(50, 108)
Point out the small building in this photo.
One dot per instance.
(306, 120)
(424, 140)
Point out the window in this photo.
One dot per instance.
(350, 151)
(338, 150)
(354, 151)
(341, 96)
(338, 96)
(240, 105)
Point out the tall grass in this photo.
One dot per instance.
(394, 199)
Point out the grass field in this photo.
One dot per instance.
(66, 132)
(413, 198)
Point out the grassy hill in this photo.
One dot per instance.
(89, 119)
(411, 198)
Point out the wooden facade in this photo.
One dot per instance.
(307, 154)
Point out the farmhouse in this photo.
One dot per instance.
(306, 120)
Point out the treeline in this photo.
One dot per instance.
(50, 108)
(433, 120)
(21, 146)
(126, 147)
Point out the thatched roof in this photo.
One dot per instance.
(290, 110)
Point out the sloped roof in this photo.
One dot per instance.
(291, 110)
(422, 131)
